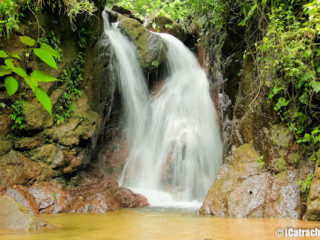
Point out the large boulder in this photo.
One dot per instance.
(14, 217)
(245, 188)
(150, 46)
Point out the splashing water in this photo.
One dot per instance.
(174, 139)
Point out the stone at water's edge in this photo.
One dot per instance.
(243, 189)
(150, 47)
(93, 195)
(14, 216)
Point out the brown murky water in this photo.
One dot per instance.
(149, 225)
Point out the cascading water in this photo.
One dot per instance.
(132, 84)
(174, 139)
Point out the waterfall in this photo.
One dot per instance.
(175, 146)
(132, 82)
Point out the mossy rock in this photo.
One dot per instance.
(150, 46)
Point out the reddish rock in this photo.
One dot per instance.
(15, 168)
(99, 202)
(4, 124)
(23, 197)
(94, 194)
(129, 199)
(49, 197)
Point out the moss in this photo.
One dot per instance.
(280, 165)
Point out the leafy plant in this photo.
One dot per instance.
(305, 185)
(12, 69)
(261, 162)
(287, 62)
(17, 115)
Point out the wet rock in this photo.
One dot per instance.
(49, 197)
(313, 203)
(243, 188)
(75, 130)
(98, 202)
(238, 181)
(129, 199)
(4, 124)
(283, 199)
(73, 160)
(150, 47)
(47, 153)
(5, 146)
(35, 116)
(93, 194)
(14, 217)
(22, 196)
(29, 142)
(15, 168)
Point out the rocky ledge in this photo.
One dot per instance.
(93, 194)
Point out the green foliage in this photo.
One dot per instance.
(12, 10)
(17, 116)
(155, 63)
(288, 62)
(51, 40)
(261, 162)
(205, 13)
(305, 185)
(12, 69)
(72, 77)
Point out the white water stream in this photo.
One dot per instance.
(175, 146)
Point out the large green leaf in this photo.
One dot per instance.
(50, 50)
(11, 85)
(3, 54)
(44, 99)
(31, 84)
(16, 56)
(27, 41)
(20, 71)
(42, 76)
(4, 70)
(9, 63)
(46, 57)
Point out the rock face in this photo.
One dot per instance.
(92, 195)
(14, 217)
(313, 203)
(150, 47)
(46, 149)
(245, 188)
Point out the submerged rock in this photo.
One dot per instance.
(150, 46)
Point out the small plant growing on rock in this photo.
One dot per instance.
(17, 115)
(305, 185)
(260, 162)
(12, 69)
